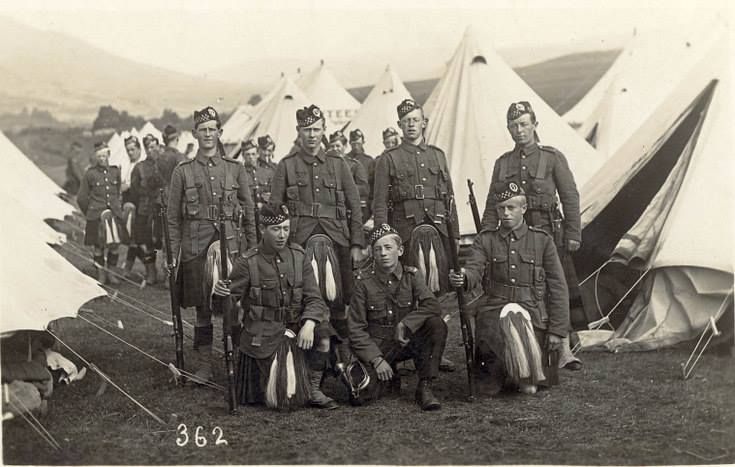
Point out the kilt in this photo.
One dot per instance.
(147, 230)
(190, 282)
(92, 233)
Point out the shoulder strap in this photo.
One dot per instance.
(298, 266)
(503, 167)
(188, 175)
(542, 162)
(255, 289)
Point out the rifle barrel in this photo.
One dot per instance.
(173, 293)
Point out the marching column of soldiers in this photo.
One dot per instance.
(340, 260)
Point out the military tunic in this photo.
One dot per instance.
(264, 173)
(359, 175)
(520, 266)
(145, 185)
(542, 172)
(412, 184)
(368, 162)
(100, 190)
(380, 301)
(318, 191)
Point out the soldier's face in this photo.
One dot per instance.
(337, 147)
(151, 147)
(207, 134)
(266, 153)
(391, 142)
(523, 129)
(250, 156)
(511, 211)
(386, 251)
(102, 157)
(311, 136)
(358, 145)
(412, 124)
(133, 151)
(276, 236)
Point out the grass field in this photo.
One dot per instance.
(624, 409)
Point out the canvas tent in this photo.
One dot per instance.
(466, 114)
(232, 130)
(277, 116)
(322, 89)
(662, 207)
(641, 77)
(378, 112)
(149, 128)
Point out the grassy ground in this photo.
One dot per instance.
(620, 409)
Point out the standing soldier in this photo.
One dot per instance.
(265, 169)
(146, 182)
(357, 143)
(275, 315)
(193, 214)
(394, 317)
(337, 144)
(100, 200)
(318, 190)
(543, 173)
(133, 148)
(525, 306)
(169, 156)
(391, 138)
(248, 155)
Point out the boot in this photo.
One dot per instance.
(447, 365)
(316, 397)
(204, 370)
(567, 359)
(425, 398)
(111, 264)
(129, 262)
(99, 267)
(150, 272)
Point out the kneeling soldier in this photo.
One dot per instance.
(393, 317)
(525, 308)
(281, 299)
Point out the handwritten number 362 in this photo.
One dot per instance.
(200, 440)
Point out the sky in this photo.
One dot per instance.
(203, 36)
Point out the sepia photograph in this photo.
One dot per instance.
(426, 232)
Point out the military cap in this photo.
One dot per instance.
(148, 138)
(308, 116)
(337, 136)
(406, 107)
(265, 141)
(271, 216)
(388, 132)
(517, 109)
(507, 191)
(381, 231)
(248, 144)
(132, 139)
(205, 115)
(356, 135)
(169, 132)
(100, 146)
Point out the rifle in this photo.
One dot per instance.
(256, 217)
(226, 304)
(172, 291)
(473, 206)
(467, 338)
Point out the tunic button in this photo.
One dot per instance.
(523, 182)
(512, 266)
(314, 164)
(423, 179)
(107, 188)
(317, 190)
(422, 165)
(426, 209)
(281, 275)
(524, 167)
(278, 261)
(512, 252)
(513, 280)
(523, 156)
(214, 194)
(316, 176)
(211, 178)
(106, 179)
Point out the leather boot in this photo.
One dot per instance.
(111, 264)
(150, 273)
(316, 397)
(204, 370)
(99, 267)
(129, 262)
(425, 398)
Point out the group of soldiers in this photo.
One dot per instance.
(339, 260)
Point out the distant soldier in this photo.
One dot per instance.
(248, 156)
(193, 214)
(319, 191)
(338, 144)
(413, 189)
(394, 317)
(290, 317)
(100, 200)
(265, 169)
(134, 151)
(357, 152)
(524, 310)
(146, 182)
(391, 138)
(169, 156)
(76, 164)
(544, 174)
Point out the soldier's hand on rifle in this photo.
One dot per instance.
(553, 342)
(573, 245)
(369, 225)
(222, 288)
(171, 267)
(402, 334)
(383, 369)
(457, 280)
(305, 339)
(356, 254)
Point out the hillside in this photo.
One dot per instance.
(72, 78)
(560, 81)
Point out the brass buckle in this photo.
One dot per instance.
(418, 191)
(213, 212)
(315, 209)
